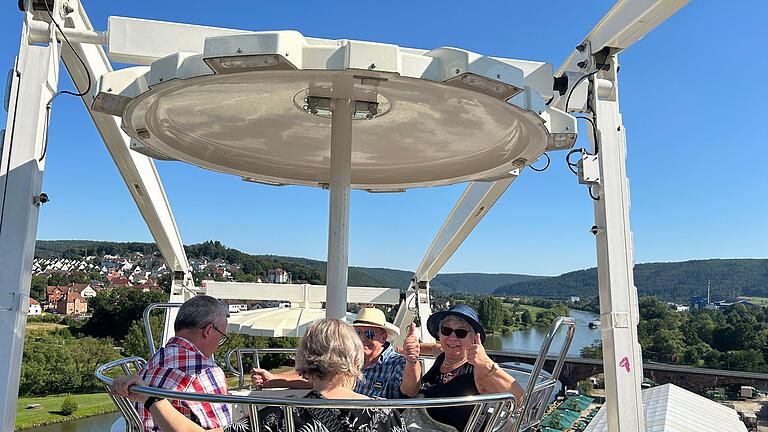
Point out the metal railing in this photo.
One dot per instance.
(132, 421)
(255, 353)
(540, 388)
(528, 413)
(148, 327)
(490, 413)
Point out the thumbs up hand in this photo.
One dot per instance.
(476, 355)
(411, 348)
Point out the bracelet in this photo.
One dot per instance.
(493, 370)
(150, 401)
(407, 360)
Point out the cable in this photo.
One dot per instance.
(568, 99)
(594, 131)
(87, 73)
(545, 166)
(571, 165)
(592, 196)
(50, 102)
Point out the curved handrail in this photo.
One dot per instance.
(148, 328)
(255, 353)
(132, 421)
(537, 393)
(497, 404)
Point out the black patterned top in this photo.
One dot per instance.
(332, 420)
(458, 382)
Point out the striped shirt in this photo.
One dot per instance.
(384, 376)
(180, 366)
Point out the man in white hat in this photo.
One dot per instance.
(388, 374)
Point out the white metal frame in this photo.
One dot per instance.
(34, 82)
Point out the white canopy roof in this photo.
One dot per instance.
(277, 322)
(669, 408)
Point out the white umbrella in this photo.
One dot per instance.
(277, 322)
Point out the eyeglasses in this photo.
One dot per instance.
(368, 334)
(460, 333)
(224, 337)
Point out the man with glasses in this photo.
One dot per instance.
(387, 373)
(185, 363)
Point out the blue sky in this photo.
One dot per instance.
(696, 160)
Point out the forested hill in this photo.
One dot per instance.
(670, 281)
(304, 268)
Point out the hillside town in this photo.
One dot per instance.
(133, 271)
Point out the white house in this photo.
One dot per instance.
(34, 308)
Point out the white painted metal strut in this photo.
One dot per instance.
(138, 171)
(619, 315)
(34, 79)
(341, 180)
(469, 210)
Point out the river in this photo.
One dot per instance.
(99, 423)
(528, 340)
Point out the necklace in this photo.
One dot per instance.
(449, 366)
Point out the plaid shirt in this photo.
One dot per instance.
(180, 366)
(384, 376)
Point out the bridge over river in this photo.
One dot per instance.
(688, 377)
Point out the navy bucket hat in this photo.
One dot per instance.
(462, 311)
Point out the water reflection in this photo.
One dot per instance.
(529, 340)
(99, 423)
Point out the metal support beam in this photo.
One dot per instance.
(138, 171)
(338, 221)
(469, 210)
(619, 315)
(626, 23)
(34, 79)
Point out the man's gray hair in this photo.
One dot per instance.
(329, 349)
(199, 311)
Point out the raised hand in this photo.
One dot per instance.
(259, 377)
(411, 348)
(476, 355)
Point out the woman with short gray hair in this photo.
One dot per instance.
(330, 356)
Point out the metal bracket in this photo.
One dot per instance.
(8, 301)
(588, 169)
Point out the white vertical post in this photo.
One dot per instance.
(622, 357)
(338, 221)
(34, 80)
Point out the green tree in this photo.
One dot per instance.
(69, 406)
(38, 288)
(135, 343)
(114, 310)
(58, 279)
(526, 318)
(593, 351)
(79, 277)
(491, 312)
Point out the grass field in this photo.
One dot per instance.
(761, 301)
(88, 405)
(533, 309)
(40, 326)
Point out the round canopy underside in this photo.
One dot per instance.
(249, 124)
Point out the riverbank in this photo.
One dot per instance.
(87, 405)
